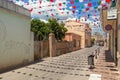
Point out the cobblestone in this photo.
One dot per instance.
(106, 67)
(70, 66)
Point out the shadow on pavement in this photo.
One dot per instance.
(19, 66)
(108, 56)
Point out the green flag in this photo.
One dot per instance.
(64, 3)
(46, 15)
(67, 12)
(113, 3)
(76, 0)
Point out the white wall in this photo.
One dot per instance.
(16, 40)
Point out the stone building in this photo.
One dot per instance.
(80, 29)
(16, 40)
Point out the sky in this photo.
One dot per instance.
(64, 9)
(61, 9)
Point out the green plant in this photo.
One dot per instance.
(40, 29)
(58, 29)
(92, 40)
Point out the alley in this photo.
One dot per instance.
(70, 66)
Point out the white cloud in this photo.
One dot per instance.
(80, 0)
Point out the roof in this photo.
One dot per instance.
(13, 7)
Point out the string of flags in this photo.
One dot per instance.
(61, 6)
(57, 8)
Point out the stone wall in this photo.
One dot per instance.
(88, 39)
(59, 47)
(41, 49)
(51, 48)
(63, 47)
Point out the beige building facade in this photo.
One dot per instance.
(114, 33)
(80, 29)
(118, 34)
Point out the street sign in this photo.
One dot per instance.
(112, 14)
(108, 27)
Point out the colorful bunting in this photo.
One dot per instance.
(77, 8)
(50, 0)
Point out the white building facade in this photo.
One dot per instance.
(16, 39)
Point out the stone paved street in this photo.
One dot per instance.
(105, 67)
(70, 66)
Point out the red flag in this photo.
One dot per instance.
(108, 1)
(94, 14)
(60, 8)
(49, 5)
(39, 12)
(74, 7)
(89, 4)
(87, 9)
(60, 4)
(52, 14)
(73, 11)
(40, 2)
(31, 10)
(72, 2)
(40, 7)
(51, 0)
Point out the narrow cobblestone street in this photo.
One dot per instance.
(70, 66)
(59, 39)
